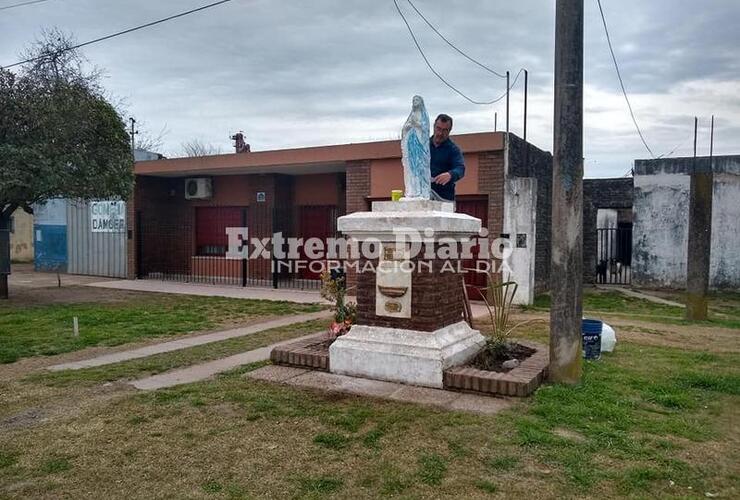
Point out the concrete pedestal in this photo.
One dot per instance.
(406, 356)
(410, 326)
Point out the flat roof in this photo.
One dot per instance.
(725, 164)
(322, 159)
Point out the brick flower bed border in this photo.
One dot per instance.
(521, 381)
(306, 353)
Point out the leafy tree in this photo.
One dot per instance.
(59, 136)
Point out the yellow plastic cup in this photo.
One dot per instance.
(396, 194)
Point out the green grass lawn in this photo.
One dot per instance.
(724, 308)
(655, 419)
(152, 365)
(47, 329)
(646, 422)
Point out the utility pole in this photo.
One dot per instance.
(133, 133)
(495, 121)
(700, 233)
(507, 104)
(526, 146)
(566, 270)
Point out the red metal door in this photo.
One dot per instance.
(474, 281)
(315, 222)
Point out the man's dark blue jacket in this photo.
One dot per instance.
(446, 157)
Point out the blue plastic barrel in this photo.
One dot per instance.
(591, 335)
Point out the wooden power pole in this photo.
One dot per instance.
(566, 270)
(700, 234)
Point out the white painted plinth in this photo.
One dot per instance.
(389, 219)
(406, 356)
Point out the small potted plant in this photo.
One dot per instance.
(334, 289)
(500, 352)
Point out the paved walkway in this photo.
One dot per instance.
(645, 296)
(260, 293)
(236, 292)
(202, 371)
(185, 343)
(23, 275)
(329, 382)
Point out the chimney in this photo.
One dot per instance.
(240, 145)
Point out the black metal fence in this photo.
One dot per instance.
(614, 256)
(191, 244)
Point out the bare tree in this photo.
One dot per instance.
(196, 147)
(148, 141)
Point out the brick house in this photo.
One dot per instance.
(300, 192)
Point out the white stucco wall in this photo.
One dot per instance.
(660, 233)
(21, 239)
(724, 262)
(520, 203)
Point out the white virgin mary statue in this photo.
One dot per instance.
(415, 152)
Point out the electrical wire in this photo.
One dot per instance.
(621, 82)
(119, 33)
(434, 28)
(680, 145)
(21, 4)
(441, 78)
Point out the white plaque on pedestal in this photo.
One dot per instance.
(393, 282)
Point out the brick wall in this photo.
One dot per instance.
(491, 183)
(436, 298)
(602, 193)
(131, 258)
(167, 236)
(358, 185)
(357, 181)
(166, 226)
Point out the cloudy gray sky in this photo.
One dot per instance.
(299, 73)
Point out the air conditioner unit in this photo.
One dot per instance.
(198, 188)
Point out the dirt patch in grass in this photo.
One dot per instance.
(70, 294)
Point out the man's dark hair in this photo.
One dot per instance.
(444, 119)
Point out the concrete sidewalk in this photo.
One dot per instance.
(643, 295)
(330, 382)
(326, 382)
(196, 373)
(236, 292)
(185, 343)
(258, 293)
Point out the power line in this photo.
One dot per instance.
(680, 145)
(621, 82)
(453, 45)
(436, 73)
(21, 4)
(119, 33)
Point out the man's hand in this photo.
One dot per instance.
(442, 178)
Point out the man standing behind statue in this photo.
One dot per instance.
(447, 164)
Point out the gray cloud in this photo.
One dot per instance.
(298, 73)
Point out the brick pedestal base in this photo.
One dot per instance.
(436, 295)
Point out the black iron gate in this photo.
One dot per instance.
(190, 244)
(614, 255)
